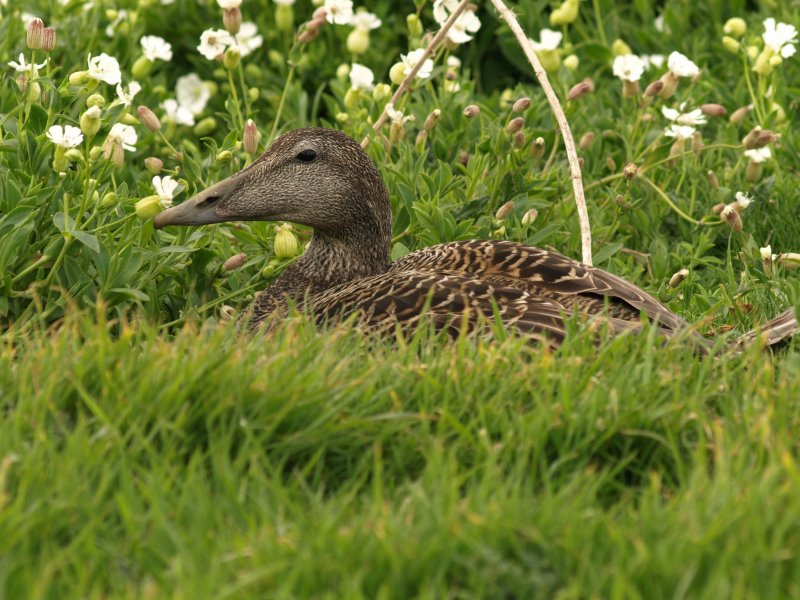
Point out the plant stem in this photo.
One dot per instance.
(282, 101)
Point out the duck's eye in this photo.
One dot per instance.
(306, 156)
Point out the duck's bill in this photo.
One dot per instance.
(200, 209)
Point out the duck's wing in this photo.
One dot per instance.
(449, 301)
(542, 273)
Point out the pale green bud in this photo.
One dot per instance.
(735, 26)
(286, 244)
(205, 126)
(620, 48)
(141, 68)
(90, 121)
(358, 41)
(284, 17)
(148, 207)
(96, 100)
(381, 92)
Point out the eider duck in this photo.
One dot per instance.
(323, 179)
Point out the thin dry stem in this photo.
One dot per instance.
(431, 48)
(566, 133)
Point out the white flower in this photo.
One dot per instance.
(66, 137)
(412, 58)
(248, 39)
(213, 42)
(361, 77)
(453, 62)
(653, 60)
(766, 252)
(177, 113)
(229, 3)
(628, 67)
(156, 48)
(396, 116)
(338, 11)
(104, 68)
(658, 23)
(680, 66)
(284, 2)
(165, 188)
(365, 21)
(780, 37)
(192, 93)
(127, 97)
(694, 117)
(550, 40)
(680, 132)
(759, 155)
(743, 200)
(466, 23)
(125, 135)
(31, 69)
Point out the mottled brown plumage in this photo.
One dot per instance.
(322, 178)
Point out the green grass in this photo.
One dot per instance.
(305, 465)
(146, 451)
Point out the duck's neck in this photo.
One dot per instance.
(328, 261)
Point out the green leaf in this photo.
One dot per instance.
(87, 239)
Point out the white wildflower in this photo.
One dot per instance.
(177, 113)
(192, 93)
(66, 136)
(126, 96)
(680, 132)
(248, 39)
(628, 67)
(680, 66)
(226, 4)
(365, 21)
(396, 116)
(123, 135)
(453, 62)
(31, 69)
(780, 37)
(743, 200)
(653, 60)
(693, 118)
(759, 155)
(466, 23)
(156, 48)
(214, 42)
(165, 188)
(412, 58)
(766, 252)
(550, 40)
(104, 68)
(361, 77)
(338, 12)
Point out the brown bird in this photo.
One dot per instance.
(322, 178)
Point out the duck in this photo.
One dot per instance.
(323, 179)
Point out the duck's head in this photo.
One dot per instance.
(315, 177)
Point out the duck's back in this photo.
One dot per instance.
(460, 283)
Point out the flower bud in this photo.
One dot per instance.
(504, 211)
(148, 207)
(358, 41)
(307, 35)
(109, 199)
(232, 19)
(580, 89)
(630, 171)
(472, 111)
(250, 137)
(763, 65)
(79, 78)
(529, 217)
(397, 73)
(654, 89)
(697, 143)
(22, 83)
(678, 278)
(74, 154)
(519, 139)
(735, 26)
(235, 261)
(381, 92)
(48, 39)
(537, 148)
(712, 180)
(96, 100)
(351, 97)
(718, 208)
(775, 61)
(284, 17)
(285, 242)
(669, 83)
(224, 156)
(586, 141)
(713, 110)
(515, 125)
(205, 126)
(414, 26)
(730, 44)
(141, 67)
(153, 164)
(572, 62)
(342, 117)
(753, 171)
(34, 34)
(766, 253)
(90, 121)
(521, 105)
(789, 260)
(739, 115)
(432, 119)
(620, 48)
(565, 14)
(611, 164)
(731, 216)
(231, 57)
(148, 118)
(463, 158)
